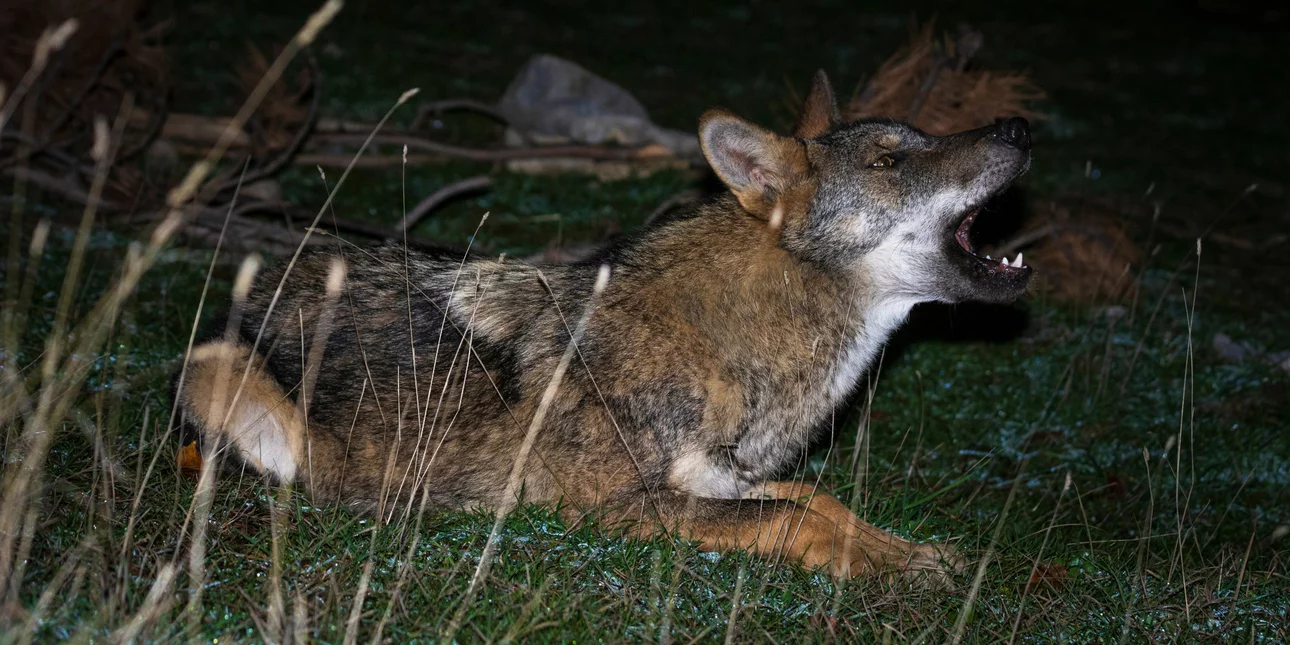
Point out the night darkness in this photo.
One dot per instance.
(1108, 455)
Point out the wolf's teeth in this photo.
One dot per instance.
(988, 257)
(1005, 262)
(1018, 262)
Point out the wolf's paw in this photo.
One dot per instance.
(901, 562)
(929, 566)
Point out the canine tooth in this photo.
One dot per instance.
(1005, 262)
(1018, 262)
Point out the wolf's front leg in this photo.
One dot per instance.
(850, 545)
(784, 521)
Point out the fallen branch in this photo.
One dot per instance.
(455, 105)
(65, 187)
(925, 88)
(368, 161)
(675, 201)
(29, 149)
(199, 129)
(439, 197)
(498, 154)
(248, 233)
(203, 222)
(285, 155)
(95, 77)
(196, 128)
(1223, 239)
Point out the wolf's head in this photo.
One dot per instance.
(876, 197)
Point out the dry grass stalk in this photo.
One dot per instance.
(514, 483)
(71, 347)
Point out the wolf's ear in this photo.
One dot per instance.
(820, 112)
(757, 164)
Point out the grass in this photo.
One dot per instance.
(1172, 528)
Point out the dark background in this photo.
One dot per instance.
(1160, 115)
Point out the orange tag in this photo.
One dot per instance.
(190, 461)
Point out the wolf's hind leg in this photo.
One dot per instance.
(239, 407)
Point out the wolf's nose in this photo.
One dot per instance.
(1015, 132)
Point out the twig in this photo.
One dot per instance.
(499, 154)
(64, 187)
(203, 220)
(680, 199)
(451, 105)
(297, 141)
(367, 161)
(34, 150)
(333, 125)
(256, 231)
(440, 196)
(114, 48)
(939, 63)
(210, 218)
(356, 610)
(201, 130)
(1224, 239)
(966, 45)
(514, 485)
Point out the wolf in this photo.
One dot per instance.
(724, 338)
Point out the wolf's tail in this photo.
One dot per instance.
(237, 411)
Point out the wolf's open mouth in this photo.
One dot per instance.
(963, 236)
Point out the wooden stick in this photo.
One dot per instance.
(453, 105)
(925, 89)
(200, 129)
(499, 154)
(366, 161)
(440, 196)
(284, 156)
(65, 187)
(680, 199)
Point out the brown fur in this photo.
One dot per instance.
(723, 342)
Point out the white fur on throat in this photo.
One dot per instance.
(879, 322)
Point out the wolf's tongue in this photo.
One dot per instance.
(961, 235)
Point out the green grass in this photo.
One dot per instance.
(972, 432)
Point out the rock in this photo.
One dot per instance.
(1283, 363)
(552, 100)
(268, 190)
(1228, 349)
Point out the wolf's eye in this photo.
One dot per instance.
(885, 161)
